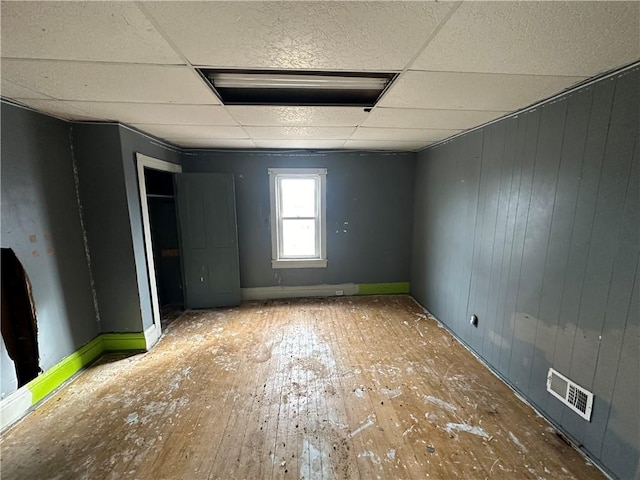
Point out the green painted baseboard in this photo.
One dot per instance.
(118, 342)
(46, 383)
(383, 288)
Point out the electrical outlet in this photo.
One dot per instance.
(339, 292)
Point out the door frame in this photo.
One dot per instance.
(152, 334)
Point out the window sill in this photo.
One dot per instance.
(300, 263)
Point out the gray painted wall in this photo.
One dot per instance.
(130, 143)
(369, 214)
(105, 154)
(106, 216)
(39, 199)
(532, 223)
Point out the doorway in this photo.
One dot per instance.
(160, 198)
(165, 244)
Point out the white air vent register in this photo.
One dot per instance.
(570, 393)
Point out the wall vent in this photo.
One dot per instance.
(570, 393)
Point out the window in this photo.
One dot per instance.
(298, 233)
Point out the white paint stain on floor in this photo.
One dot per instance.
(371, 456)
(439, 403)
(517, 442)
(464, 427)
(369, 423)
(313, 459)
(175, 382)
(391, 393)
(131, 419)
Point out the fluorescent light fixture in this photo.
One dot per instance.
(297, 88)
(241, 80)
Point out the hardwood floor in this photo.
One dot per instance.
(344, 387)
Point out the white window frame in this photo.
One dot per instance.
(319, 260)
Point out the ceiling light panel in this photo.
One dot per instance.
(84, 81)
(263, 115)
(96, 31)
(540, 38)
(472, 91)
(297, 88)
(361, 36)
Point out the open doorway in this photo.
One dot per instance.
(19, 326)
(146, 166)
(165, 244)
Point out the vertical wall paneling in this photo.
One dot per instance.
(537, 230)
(619, 445)
(614, 178)
(503, 343)
(550, 257)
(493, 330)
(528, 151)
(589, 176)
(564, 207)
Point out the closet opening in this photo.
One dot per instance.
(164, 238)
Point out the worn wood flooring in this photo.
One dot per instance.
(344, 387)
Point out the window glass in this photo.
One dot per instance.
(298, 226)
(298, 197)
(299, 238)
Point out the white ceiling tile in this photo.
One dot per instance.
(325, 133)
(472, 91)
(402, 134)
(165, 114)
(87, 81)
(292, 143)
(418, 118)
(541, 38)
(100, 31)
(385, 145)
(212, 142)
(191, 131)
(299, 35)
(298, 116)
(13, 90)
(57, 108)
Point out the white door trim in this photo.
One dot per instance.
(152, 334)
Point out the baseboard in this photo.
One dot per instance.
(44, 384)
(15, 406)
(124, 342)
(336, 290)
(151, 336)
(269, 293)
(20, 402)
(394, 288)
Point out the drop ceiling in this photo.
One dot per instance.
(460, 64)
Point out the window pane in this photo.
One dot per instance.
(298, 238)
(298, 196)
